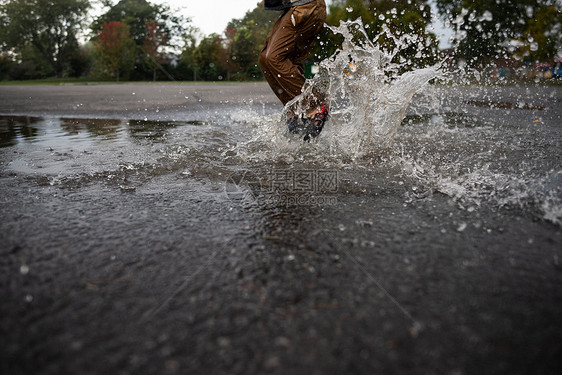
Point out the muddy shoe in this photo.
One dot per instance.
(315, 124)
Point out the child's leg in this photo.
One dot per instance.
(288, 46)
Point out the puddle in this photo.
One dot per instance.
(13, 128)
(16, 130)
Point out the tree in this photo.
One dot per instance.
(208, 57)
(491, 29)
(83, 60)
(187, 68)
(6, 66)
(153, 27)
(245, 47)
(542, 32)
(233, 57)
(116, 48)
(30, 64)
(48, 26)
(245, 40)
(154, 39)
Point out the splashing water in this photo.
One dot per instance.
(367, 94)
(457, 152)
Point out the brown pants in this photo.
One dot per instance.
(288, 45)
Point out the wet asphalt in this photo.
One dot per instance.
(179, 277)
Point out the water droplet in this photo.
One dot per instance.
(24, 269)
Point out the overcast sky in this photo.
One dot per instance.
(211, 16)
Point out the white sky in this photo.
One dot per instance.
(211, 16)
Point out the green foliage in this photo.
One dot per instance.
(542, 32)
(246, 38)
(48, 27)
(245, 48)
(209, 57)
(82, 61)
(6, 65)
(186, 68)
(492, 29)
(234, 57)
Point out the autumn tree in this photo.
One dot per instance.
(116, 48)
(49, 27)
(153, 41)
(153, 27)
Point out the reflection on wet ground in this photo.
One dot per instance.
(105, 128)
(16, 129)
